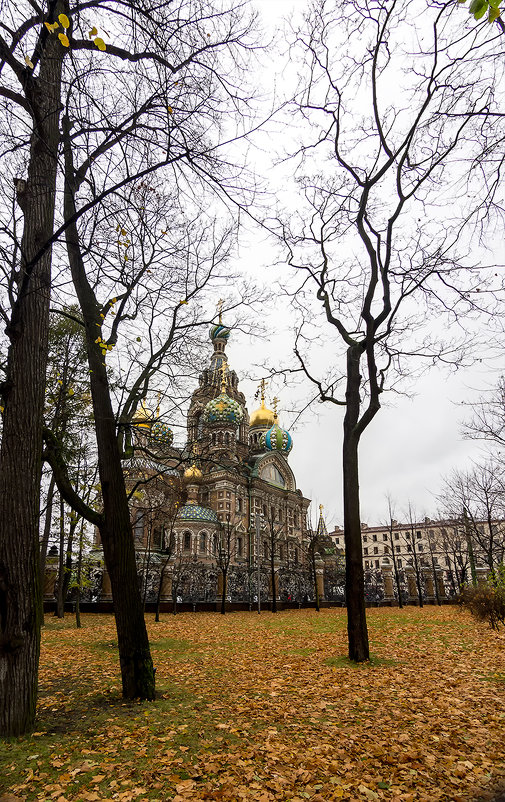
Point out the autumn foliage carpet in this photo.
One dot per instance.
(268, 708)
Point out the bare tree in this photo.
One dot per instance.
(377, 238)
(391, 525)
(172, 65)
(478, 496)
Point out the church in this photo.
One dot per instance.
(228, 497)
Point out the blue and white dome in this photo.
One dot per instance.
(162, 433)
(277, 439)
(219, 332)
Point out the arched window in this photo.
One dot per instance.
(187, 541)
(203, 541)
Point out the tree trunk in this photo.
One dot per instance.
(272, 578)
(223, 594)
(45, 540)
(354, 579)
(116, 532)
(60, 602)
(23, 400)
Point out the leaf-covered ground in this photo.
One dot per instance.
(268, 708)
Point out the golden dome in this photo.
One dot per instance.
(193, 474)
(262, 416)
(143, 416)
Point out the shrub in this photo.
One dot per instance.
(487, 603)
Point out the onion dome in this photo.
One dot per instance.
(162, 433)
(194, 512)
(143, 417)
(193, 474)
(277, 439)
(262, 416)
(219, 332)
(223, 409)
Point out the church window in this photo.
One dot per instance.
(228, 494)
(203, 541)
(239, 505)
(271, 474)
(220, 438)
(214, 544)
(220, 494)
(272, 514)
(295, 518)
(138, 530)
(240, 546)
(187, 541)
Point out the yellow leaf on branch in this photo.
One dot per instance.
(93, 32)
(64, 20)
(100, 43)
(64, 39)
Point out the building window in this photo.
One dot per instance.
(397, 536)
(281, 552)
(337, 540)
(240, 546)
(365, 539)
(265, 514)
(397, 549)
(265, 548)
(187, 541)
(239, 505)
(203, 541)
(296, 556)
(367, 565)
(399, 563)
(377, 563)
(384, 536)
(386, 549)
(365, 550)
(419, 546)
(418, 535)
(295, 519)
(374, 538)
(138, 530)
(409, 547)
(375, 549)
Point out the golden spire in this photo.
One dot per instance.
(220, 310)
(223, 370)
(321, 508)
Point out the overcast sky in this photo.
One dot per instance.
(411, 443)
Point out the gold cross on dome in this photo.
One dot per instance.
(275, 401)
(321, 508)
(220, 309)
